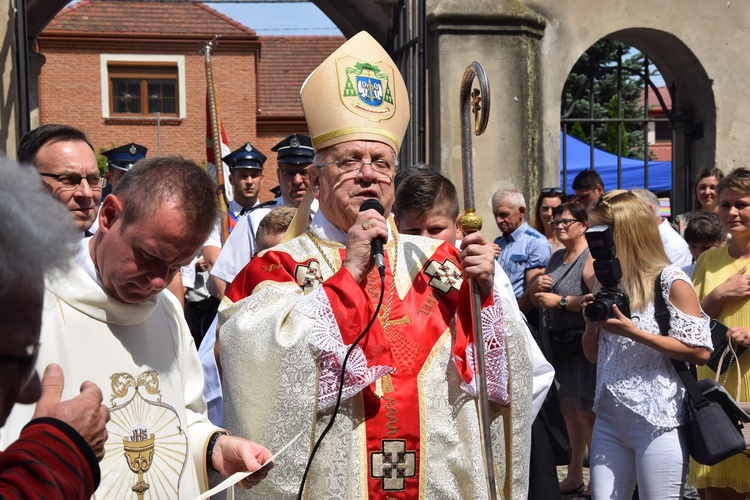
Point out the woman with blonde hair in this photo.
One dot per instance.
(723, 285)
(639, 435)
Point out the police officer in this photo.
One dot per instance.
(246, 177)
(294, 156)
(120, 160)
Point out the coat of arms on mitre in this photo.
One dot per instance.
(365, 88)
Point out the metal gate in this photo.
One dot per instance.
(671, 116)
(408, 47)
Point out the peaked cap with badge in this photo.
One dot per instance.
(124, 157)
(357, 93)
(245, 156)
(295, 149)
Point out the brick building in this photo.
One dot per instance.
(659, 133)
(110, 66)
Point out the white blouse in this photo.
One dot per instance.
(642, 378)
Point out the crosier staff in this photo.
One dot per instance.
(476, 101)
(213, 108)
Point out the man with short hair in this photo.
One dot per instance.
(246, 176)
(66, 161)
(588, 186)
(407, 424)
(58, 449)
(294, 156)
(524, 251)
(108, 320)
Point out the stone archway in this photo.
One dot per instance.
(695, 139)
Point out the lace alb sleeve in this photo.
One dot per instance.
(325, 338)
(495, 354)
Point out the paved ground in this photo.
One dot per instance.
(562, 471)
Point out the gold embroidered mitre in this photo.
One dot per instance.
(356, 94)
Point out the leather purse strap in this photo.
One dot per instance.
(662, 318)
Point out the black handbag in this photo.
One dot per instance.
(721, 344)
(566, 341)
(714, 418)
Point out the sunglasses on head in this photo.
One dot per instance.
(552, 190)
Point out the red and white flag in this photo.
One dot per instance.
(210, 160)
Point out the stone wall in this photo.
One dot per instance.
(528, 49)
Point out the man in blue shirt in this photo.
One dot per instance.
(524, 252)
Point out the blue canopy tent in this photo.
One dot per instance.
(579, 158)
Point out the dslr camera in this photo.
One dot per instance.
(608, 272)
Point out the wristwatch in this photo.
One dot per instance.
(210, 447)
(563, 302)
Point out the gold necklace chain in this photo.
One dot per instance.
(314, 238)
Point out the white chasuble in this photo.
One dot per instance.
(407, 426)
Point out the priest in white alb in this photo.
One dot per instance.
(108, 319)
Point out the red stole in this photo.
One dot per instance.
(393, 418)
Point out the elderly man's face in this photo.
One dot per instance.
(72, 159)
(293, 180)
(507, 217)
(341, 195)
(19, 333)
(138, 261)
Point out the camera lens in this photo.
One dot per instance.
(597, 310)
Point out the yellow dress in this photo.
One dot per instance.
(712, 269)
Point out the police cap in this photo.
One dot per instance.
(124, 157)
(296, 150)
(245, 157)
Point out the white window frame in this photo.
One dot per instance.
(106, 59)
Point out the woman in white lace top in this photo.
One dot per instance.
(639, 435)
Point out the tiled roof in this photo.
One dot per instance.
(184, 18)
(653, 101)
(285, 62)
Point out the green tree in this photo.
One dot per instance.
(600, 62)
(612, 131)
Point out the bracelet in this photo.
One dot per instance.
(210, 447)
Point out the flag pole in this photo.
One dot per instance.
(213, 109)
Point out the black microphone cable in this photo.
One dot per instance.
(341, 386)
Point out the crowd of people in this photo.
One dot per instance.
(177, 351)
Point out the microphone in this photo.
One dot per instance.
(377, 243)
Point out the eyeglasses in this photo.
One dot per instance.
(565, 223)
(292, 172)
(354, 165)
(553, 190)
(28, 362)
(72, 181)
